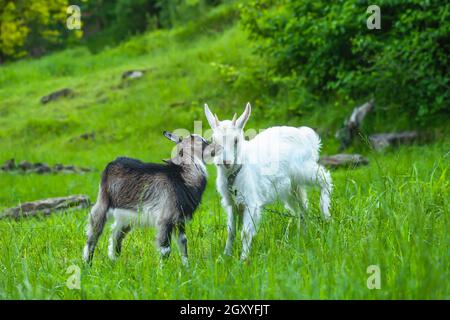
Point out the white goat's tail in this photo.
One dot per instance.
(326, 188)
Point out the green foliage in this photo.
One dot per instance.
(112, 21)
(36, 27)
(30, 26)
(121, 18)
(216, 20)
(134, 16)
(404, 65)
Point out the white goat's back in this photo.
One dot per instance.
(283, 145)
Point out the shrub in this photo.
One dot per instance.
(404, 65)
(30, 27)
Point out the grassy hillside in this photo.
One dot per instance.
(393, 213)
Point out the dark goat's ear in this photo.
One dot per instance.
(172, 136)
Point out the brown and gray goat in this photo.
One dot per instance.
(164, 196)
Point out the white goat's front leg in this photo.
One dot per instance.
(249, 228)
(231, 228)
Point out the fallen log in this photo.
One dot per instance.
(351, 125)
(381, 141)
(66, 92)
(343, 160)
(46, 206)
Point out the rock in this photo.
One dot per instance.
(133, 74)
(84, 136)
(87, 136)
(25, 165)
(9, 165)
(46, 206)
(42, 168)
(343, 160)
(381, 141)
(83, 169)
(70, 169)
(58, 167)
(177, 104)
(66, 92)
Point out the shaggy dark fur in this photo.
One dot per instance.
(129, 182)
(172, 191)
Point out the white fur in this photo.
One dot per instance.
(276, 164)
(147, 217)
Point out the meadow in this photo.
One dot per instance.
(393, 213)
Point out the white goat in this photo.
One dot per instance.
(276, 164)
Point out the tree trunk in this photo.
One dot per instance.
(352, 124)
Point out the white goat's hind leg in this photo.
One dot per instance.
(231, 228)
(249, 228)
(303, 197)
(326, 187)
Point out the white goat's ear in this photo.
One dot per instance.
(234, 119)
(242, 120)
(172, 136)
(212, 120)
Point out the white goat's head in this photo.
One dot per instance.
(228, 137)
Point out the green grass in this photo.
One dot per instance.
(393, 213)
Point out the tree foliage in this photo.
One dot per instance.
(110, 21)
(30, 26)
(35, 27)
(404, 65)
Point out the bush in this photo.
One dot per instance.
(404, 65)
(111, 21)
(31, 27)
